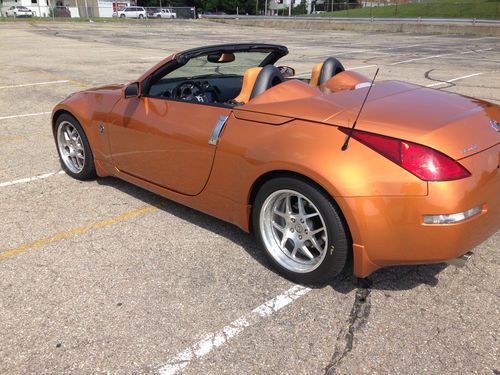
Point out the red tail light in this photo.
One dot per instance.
(424, 162)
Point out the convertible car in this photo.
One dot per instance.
(327, 170)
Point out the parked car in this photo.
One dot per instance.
(131, 12)
(18, 11)
(162, 13)
(219, 129)
(61, 11)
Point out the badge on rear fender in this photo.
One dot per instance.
(470, 148)
(495, 125)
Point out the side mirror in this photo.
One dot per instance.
(286, 71)
(132, 90)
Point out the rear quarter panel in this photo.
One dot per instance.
(249, 150)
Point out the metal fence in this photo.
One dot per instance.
(365, 9)
(110, 12)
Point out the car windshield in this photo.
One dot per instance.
(200, 66)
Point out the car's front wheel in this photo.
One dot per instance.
(141, 16)
(122, 16)
(74, 149)
(300, 229)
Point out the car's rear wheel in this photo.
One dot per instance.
(122, 16)
(74, 149)
(141, 16)
(300, 229)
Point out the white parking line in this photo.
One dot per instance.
(152, 58)
(34, 84)
(30, 179)
(353, 68)
(362, 67)
(453, 80)
(441, 55)
(25, 115)
(377, 51)
(216, 340)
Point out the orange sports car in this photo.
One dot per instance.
(321, 170)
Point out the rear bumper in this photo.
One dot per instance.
(391, 230)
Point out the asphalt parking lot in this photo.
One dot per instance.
(104, 277)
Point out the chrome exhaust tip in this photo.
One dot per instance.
(461, 261)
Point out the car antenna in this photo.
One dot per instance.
(346, 143)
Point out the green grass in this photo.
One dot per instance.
(436, 9)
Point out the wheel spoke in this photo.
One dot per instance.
(308, 216)
(295, 249)
(288, 205)
(300, 203)
(306, 252)
(284, 239)
(315, 243)
(66, 135)
(316, 231)
(278, 227)
(279, 213)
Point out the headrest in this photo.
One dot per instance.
(268, 77)
(322, 72)
(249, 78)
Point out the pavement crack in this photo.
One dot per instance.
(358, 317)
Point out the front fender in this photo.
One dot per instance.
(92, 109)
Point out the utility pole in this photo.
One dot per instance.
(86, 9)
(265, 8)
(257, 8)
(290, 9)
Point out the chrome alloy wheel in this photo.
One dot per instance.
(293, 231)
(70, 147)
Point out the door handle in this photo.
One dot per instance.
(217, 130)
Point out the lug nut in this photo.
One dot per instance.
(300, 237)
(292, 230)
(301, 220)
(293, 220)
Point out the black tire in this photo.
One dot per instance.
(122, 16)
(337, 244)
(88, 171)
(141, 16)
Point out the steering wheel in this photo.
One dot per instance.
(189, 91)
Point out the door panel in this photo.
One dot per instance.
(165, 142)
